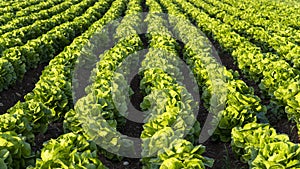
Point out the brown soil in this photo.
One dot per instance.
(54, 131)
(282, 125)
(220, 152)
(16, 93)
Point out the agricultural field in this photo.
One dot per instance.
(152, 84)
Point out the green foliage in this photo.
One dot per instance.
(267, 57)
(229, 99)
(7, 74)
(168, 104)
(15, 152)
(261, 147)
(69, 151)
(180, 154)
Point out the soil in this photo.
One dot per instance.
(54, 131)
(16, 93)
(221, 152)
(282, 125)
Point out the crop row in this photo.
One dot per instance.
(278, 79)
(252, 153)
(273, 26)
(20, 36)
(99, 100)
(286, 13)
(169, 105)
(27, 11)
(171, 129)
(233, 95)
(283, 47)
(23, 21)
(46, 46)
(51, 97)
(17, 6)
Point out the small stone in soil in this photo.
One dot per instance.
(18, 94)
(125, 163)
(1, 104)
